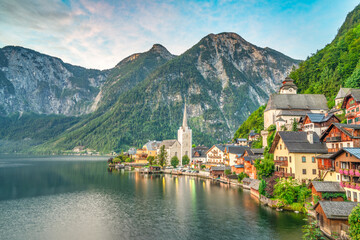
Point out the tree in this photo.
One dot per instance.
(354, 222)
(174, 161)
(264, 168)
(312, 232)
(193, 146)
(185, 160)
(227, 172)
(151, 160)
(241, 176)
(294, 125)
(162, 156)
(286, 190)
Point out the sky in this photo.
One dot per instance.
(98, 34)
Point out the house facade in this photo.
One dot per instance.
(352, 105)
(295, 155)
(318, 122)
(326, 190)
(215, 156)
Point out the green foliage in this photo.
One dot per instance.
(286, 190)
(354, 222)
(174, 161)
(185, 160)
(227, 172)
(257, 144)
(262, 187)
(241, 176)
(264, 168)
(335, 65)
(202, 166)
(312, 232)
(330, 195)
(162, 156)
(294, 125)
(316, 198)
(254, 122)
(193, 146)
(151, 160)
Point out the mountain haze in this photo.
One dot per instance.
(223, 78)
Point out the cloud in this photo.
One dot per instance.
(98, 34)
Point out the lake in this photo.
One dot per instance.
(78, 198)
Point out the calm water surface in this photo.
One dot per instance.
(77, 198)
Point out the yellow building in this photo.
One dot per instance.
(141, 156)
(295, 155)
(151, 147)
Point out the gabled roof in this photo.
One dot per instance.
(342, 127)
(353, 151)
(152, 145)
(241, 140)
(342, 92)
(255, 183)
(320, 117)
(355, 93)
(327, 186)
(297, 101)
(297, 142)
(257, 151)
(337, 210)
(168, 143)
(288, 83)
(219, 146)
(236, 149)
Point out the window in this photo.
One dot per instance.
(348, 195)
(303, 159)
(314, 171)
(341, 145)
(338, 177)
(357, 109)
(350, 121)
(290, 158)
(322, 162)
(304, 171)
(337, 164)
(355, 196)
(280, 146)
(357, 119)
(333, 146)
(313, 159)
(348, 144)
(346, 154)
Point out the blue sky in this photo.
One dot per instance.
(98, 34)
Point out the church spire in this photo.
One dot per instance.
(184, 125)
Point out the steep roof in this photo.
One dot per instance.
(342, 127)
(353, 151)
(297, 101)
(236, 149)
(288, 83)
(255, 183)
(355, 93)
(327, 186)
(297, 142)
(152, 145)
(337, 210)
(319, 117)
(257, 150)
(168, 143)
(342, 92)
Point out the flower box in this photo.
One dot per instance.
(351, 172)
(357, 173)
(342, 184)
(358, 186)
(341, 171)
(346, 172)
(353, 186)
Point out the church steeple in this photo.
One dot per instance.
(184, 125)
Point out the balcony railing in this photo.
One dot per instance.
(283, 174)
(283, 163)
(334, 139)
(350, 114)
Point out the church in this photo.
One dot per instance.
(182, 145)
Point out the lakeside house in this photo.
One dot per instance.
(218, 171)
(241, 142)
(199, 156)
(287, 106)
(340, 135)
(215, 155)
(352, 105)
(332, 216)
(325, 190)
(295, 154)
(317, 122)
(231, 152)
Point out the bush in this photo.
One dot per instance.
(312, 232)
(227, 172)
(354, 222)
(241, 176)
(174, 161)
(286, 191)
(185, 160)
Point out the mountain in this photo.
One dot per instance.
(34, 82)
(337, 64)
(223, 78)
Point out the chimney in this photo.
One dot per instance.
(310, 137)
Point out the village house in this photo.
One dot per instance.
(253, 136)
(286, 107)
(347, 167)
(352, 105)
(215, 156)
(340, 97)
(325, 190)
(199, 155)
(151, 147)
(245, 162)
(340, 135)
(295, 154)
(317, 122)
(218, 171)
(231, 153)
(332, 216)
(141, 156)
(241, 142)
(326, 167)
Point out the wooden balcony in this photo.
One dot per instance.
(283, 174)
(334, 139)
(350, 114)
(282, 163)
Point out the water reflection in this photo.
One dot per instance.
(84, 200)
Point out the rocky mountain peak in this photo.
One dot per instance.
(160, 49)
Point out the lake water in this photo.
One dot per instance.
(77, 198)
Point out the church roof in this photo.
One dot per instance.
(168, 143)
(288, 83)
(152, 145)
(297, 101)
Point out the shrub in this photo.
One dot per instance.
(241, 176)
(354, 222)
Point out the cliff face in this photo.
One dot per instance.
(223, 78)
(34, 82)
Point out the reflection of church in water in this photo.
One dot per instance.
(182, 146)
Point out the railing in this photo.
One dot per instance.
(334, 139)
(283, 174)
(350, 114)
(283, 163)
